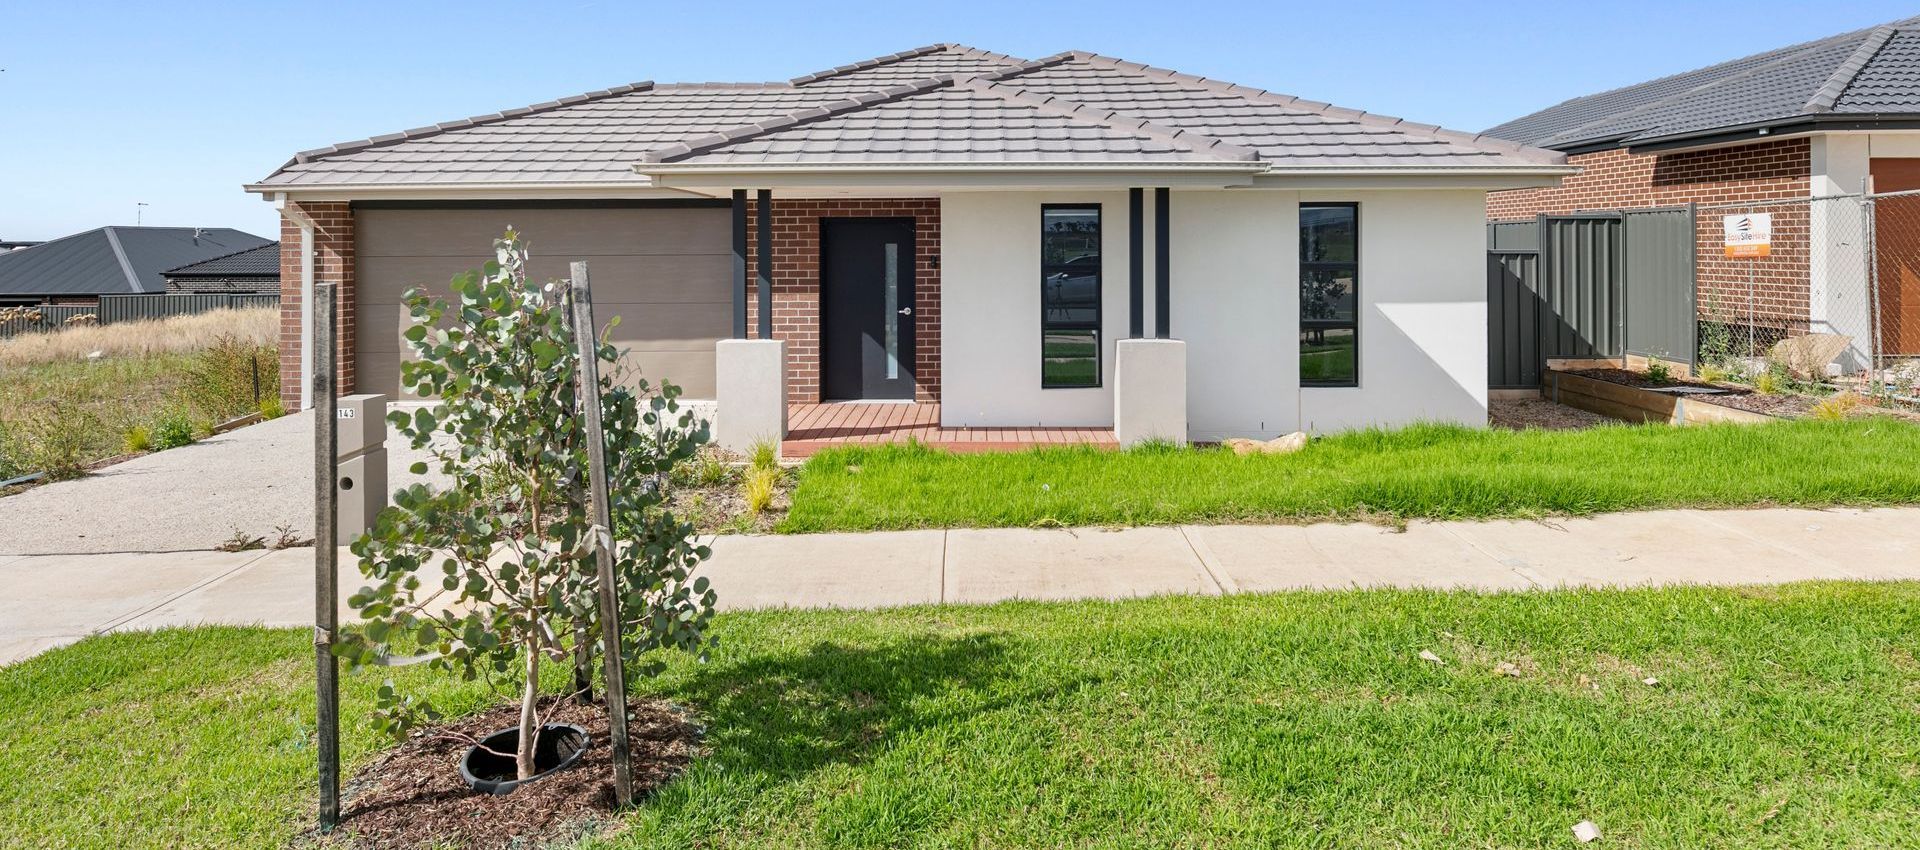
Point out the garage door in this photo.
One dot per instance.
(665, 271)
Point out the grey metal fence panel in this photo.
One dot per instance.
(1582, 260)
(1513, 235)
(1513, 318)
(1661, 316)
(127, 308)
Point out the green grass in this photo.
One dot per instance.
(1786, 717)
(1424, 471)
(100, 401)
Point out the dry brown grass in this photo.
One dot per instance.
(178, 335)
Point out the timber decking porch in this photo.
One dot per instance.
(812, 427)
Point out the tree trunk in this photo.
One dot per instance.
(529, 732)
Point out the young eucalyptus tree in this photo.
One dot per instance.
(496, 571)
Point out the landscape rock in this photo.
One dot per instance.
(1277, 446)
(1807, 356)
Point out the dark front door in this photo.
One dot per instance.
(866, 308)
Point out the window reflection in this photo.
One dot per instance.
(1070, 296)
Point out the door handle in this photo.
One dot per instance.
(906, 311)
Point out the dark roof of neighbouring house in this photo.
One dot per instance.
(940, 104)
(258, 261)
(1849, 81)
(115, 260)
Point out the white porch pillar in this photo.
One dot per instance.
(750, 390)
(1150, 391)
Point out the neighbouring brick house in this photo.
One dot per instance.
(252, 271)
(1074, 243)
(1825, 118)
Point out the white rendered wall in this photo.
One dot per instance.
(1423, 314)
(990, 310)
(1235, 302)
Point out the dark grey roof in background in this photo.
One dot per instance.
(1866, 74)
(115, 260)
(944, 103)
(261, 261)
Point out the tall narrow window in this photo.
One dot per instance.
(1329, 295)
(1069, 296)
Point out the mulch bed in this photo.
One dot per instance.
(1524, 413)
(413, 796)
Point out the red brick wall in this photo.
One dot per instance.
(1616, 179)
(796, 284)
(333, 262)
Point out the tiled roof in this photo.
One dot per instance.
(114, 260)
(944, 103)
(1872, 71)
(261, 261)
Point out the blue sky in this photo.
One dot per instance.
(103, 106)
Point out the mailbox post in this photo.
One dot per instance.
(360, 482)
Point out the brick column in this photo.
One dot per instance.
(333, 262)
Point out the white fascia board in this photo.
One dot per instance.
(473, 191)
(1410, 180)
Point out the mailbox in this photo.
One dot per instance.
(360, 483)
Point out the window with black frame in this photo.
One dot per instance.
(1329, 295)
(1069, 295)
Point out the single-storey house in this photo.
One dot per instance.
(114, 260)
(1834, 117)
(1074, 242)
(250, 271)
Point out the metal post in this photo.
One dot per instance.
(765, 258)
(1870, 247)
(326, 553)
(1162, 264)
(739, 264)
(588, 398)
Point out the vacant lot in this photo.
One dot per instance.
(1780, 717)
(1436, 472)
(78, 393)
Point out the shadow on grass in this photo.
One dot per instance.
(774, 719)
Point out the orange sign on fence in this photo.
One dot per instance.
(1749, 234)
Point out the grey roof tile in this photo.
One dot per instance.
(968, 103)
(1874, 70)
(115, 260)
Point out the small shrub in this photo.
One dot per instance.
(173, 430)
(272, 408)
(1659, 372)
(1769, 382)
(765, 455)
(1837, 407)
(233, 375)
(138, 439)
(759, 488)
(52, 440)
(1714, 373)
(706, 469)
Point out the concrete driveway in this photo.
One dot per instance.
(254, 479)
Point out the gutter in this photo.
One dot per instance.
(300, 218)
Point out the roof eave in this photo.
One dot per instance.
(1761, 131)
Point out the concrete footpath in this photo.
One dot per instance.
(51, 600)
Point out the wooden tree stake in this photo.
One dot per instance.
(588, 398)
(326, 552)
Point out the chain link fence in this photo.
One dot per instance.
(1825, 290)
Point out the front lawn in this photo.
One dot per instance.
(1439, 472)
(1782, 717)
